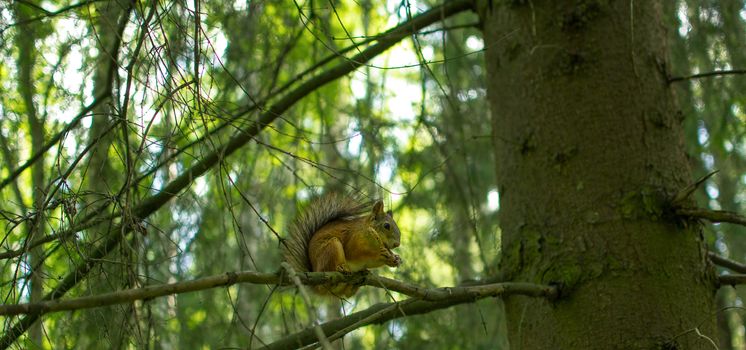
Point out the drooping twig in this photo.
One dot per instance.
(309, 306)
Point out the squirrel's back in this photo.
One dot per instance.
(320, 211)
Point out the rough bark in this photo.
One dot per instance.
(588, 146)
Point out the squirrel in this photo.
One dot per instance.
(339, 233)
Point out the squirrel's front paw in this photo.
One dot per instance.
(394, 261)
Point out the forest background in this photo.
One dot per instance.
(146, 143)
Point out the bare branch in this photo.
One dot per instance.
(83, 113)
(476, 291)
(727, 263)
(732, 279)
(713, 215)
(323, 340)
(688, 190)
(381, 313)
(716, 73)
(47, 13)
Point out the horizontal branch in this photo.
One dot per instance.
(713, 215)
(716, 73)
(309, 278)
(154, 291)
(48, 14)
(732, 279)
(384, 312)
(727, 263)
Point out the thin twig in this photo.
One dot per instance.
(713, 215)
(716, 73)
(49, 14)
(688, 190)
(309, 306)
(54, 140)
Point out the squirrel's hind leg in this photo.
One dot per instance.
(328, 255)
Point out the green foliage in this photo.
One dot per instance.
(382, 132)
(411, 127)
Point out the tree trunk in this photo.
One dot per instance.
(588, 149)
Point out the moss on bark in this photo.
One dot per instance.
(588, 144)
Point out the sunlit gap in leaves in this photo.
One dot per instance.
(189, 220)
(397, 330)
(355, 143)
(161, 178)
(713, 193)
(395, 6)
(71, 73)
(721, 247)
(685, 27)
(22, 284)
(386, 168)
(493, 200)
(240, 5)
(474, 43)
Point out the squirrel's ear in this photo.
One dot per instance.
(390, 214)
(378, 208)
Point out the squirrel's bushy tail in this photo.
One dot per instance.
(317, 213)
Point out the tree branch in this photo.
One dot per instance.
(278, 278)
(83, 113)
(732, 279)
(381, 313)
(708, 75)
(323, 340)
(713, 215)
(47, 13)
(727, 263)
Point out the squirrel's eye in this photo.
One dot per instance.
(387, 226)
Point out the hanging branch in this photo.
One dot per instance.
(153, 203)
